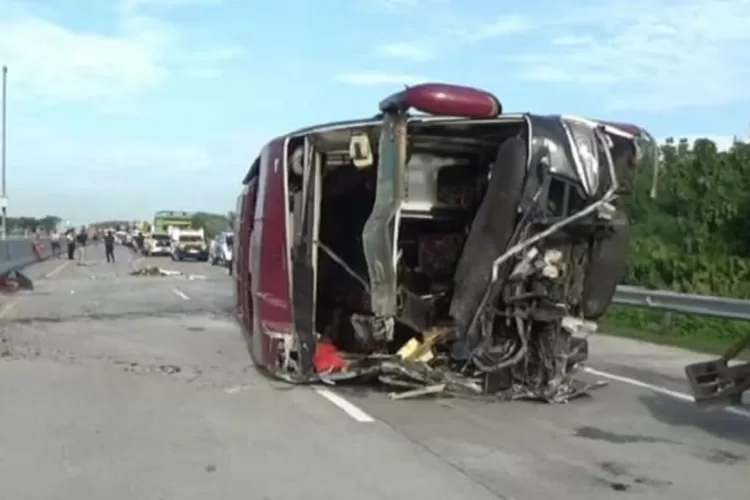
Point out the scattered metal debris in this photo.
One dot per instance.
(419, 369)
(158, 271)
(155, 271)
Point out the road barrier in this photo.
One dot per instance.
(685, 303)
(15, 255)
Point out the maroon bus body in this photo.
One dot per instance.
(262, 279)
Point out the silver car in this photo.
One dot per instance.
(220, 252)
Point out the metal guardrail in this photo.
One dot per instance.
(15, 254)
(685, 303)
(715, 382)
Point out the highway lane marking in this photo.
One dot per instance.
(8, 308)
(180, 294)
(740, 412)
(58, 269)
(347, 407)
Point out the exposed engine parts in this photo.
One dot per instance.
(514, 271)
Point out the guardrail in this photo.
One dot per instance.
(714, 382)
(685, 303)
(15, 255)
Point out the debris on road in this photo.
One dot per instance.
(716, 382)
(425, 368)
(155, 271)
(158, 271)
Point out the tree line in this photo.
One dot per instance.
(694, 237)
(29, 224)
(212, 223)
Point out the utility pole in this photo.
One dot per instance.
(4, 193)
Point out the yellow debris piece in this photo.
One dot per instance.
(421, 352)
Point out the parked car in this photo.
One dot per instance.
(220, 252)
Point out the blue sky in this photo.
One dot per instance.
(119, 108)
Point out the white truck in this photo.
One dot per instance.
(188, 244)
(158, 244)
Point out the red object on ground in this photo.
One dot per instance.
(8, 285)
(327, 358)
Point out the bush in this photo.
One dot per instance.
(694, 237)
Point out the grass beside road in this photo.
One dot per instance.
(699, 334)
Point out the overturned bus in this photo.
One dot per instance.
(441, 245)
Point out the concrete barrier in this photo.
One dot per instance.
(17, 254)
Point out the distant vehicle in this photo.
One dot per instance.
(123, 237)
(505, 233)
(158, 244)
(188, 244)
(220, 252)
(164, 219)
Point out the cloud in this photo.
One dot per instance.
(84, 179)
(500, 27)
(375, 78)
(80, 158)
(137, 4)
(653, 55)
(410, 51)
(397, 3)
(406, 4)
(48, 59)
(51, 60)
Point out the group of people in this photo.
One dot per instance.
(76, 242)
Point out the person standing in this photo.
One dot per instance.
(140, 240)
(54, 238)
(81, 240)
(109, 246)
(71, 239)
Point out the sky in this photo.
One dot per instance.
(120, 108)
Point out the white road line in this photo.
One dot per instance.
(349, 408)
(8, 307)
(57, 269)
(180, 294)
(661, 390)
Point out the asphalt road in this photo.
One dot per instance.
(120, 387)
